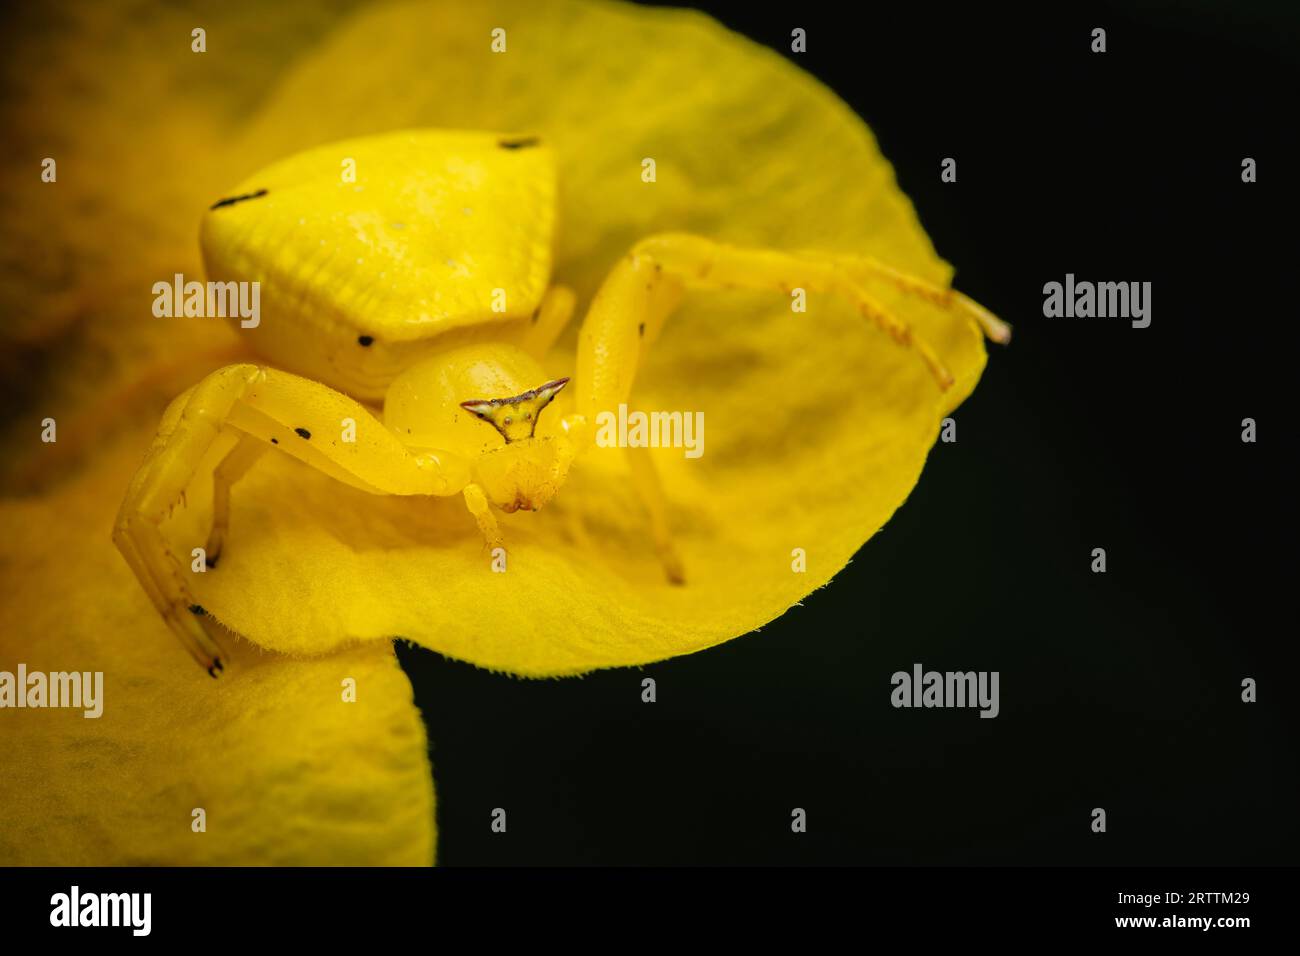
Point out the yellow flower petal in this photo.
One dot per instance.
(285, 771)
(817, 424)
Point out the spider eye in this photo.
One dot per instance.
(508, 421)
(528, 417)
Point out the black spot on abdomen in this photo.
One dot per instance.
(523, 143)
(302, 433)
(234, 199)
(366, 340)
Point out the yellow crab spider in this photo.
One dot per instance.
(413, 269)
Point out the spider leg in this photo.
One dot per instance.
(477, 502)
(303, 419)
(645, 481)
(233, 467)
(548, 322)
(141, 544)
(644, 288)
(994, 328)
(190, 425)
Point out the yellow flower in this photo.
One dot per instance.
(818, 425)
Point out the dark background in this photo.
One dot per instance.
(1119, 690)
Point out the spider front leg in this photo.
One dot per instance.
(647, 285)
(300, 417)
(645, 481)
(189, 427)
(233, 467)
(865, 267)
